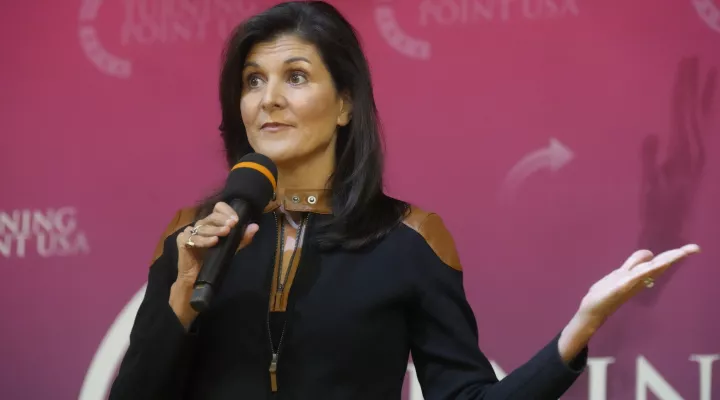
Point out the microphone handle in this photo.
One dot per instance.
(217, 259)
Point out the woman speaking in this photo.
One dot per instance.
(335, 284)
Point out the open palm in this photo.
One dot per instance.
(638, 272)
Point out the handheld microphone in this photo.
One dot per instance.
(250, 186)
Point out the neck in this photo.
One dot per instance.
(307, 174)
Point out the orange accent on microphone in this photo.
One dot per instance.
(259, 168)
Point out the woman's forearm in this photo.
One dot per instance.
(180, 293)
(576, 336)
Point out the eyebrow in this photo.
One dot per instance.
(288, 61)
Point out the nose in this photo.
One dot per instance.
(274, 96)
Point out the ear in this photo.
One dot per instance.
(345, 110)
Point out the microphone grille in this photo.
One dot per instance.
(254, 179)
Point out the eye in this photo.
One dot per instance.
(298, 78)
(253, 81)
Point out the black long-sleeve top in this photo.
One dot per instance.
(351, 321)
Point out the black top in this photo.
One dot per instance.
(353, 318)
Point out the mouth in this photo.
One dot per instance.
(274, 126)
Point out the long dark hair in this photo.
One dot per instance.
(362, 213)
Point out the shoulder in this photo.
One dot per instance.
(183, 217)
(432, 229)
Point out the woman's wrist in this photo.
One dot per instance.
(576, 336)
(180, 294)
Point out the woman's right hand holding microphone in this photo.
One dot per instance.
(192, 244)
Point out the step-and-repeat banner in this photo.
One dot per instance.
(569, 134)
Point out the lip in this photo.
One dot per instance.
(274, 126)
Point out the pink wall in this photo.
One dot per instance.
(109, 117)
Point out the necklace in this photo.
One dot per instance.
(283, 278)
(278, 295)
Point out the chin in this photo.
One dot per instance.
(278, 154)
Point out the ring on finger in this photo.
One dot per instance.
(649, 282)
(195, 230)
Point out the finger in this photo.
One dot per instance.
(636, 258)
(691, 248)
(200, 242)
(216, 219)
(215, 225)
(663, 261)
(213, 230)
(183, 236)
(688, 249)
(224, 208)
(672, 256)
(249, 234)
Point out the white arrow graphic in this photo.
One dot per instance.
(552, 157)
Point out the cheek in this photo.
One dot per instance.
(316, 113)
(248, 113)
(245, 110)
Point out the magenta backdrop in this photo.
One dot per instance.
(553, 136)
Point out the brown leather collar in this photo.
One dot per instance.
(304, 200)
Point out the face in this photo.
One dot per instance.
(289, 104)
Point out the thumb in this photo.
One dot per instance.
(249, 234)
